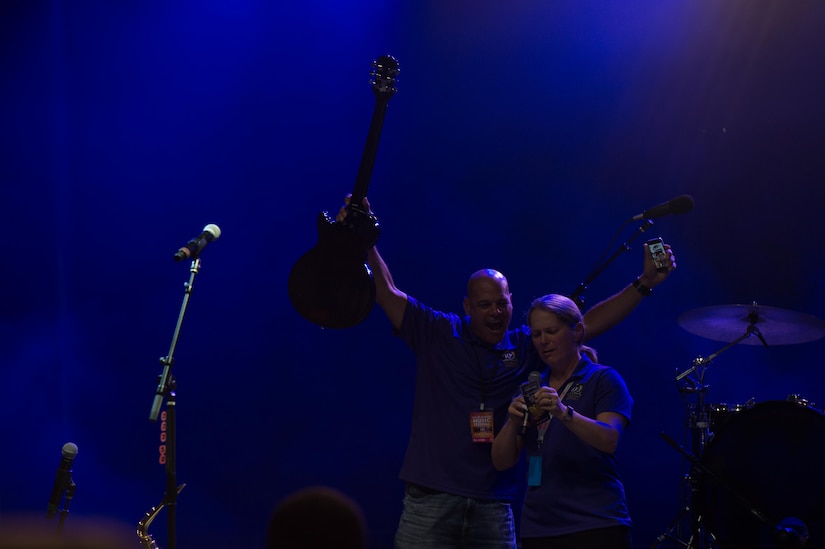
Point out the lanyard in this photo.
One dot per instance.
(485, 380)
(542, 429)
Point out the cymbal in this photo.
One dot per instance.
(729, 322)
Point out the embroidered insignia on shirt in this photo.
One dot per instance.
(509, 359)
(575, 392)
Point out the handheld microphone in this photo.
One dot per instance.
(63, 478)
(194, 247)
(679, 205)
(526, 420)
(528, 391)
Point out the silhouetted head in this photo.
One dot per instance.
(317, 517)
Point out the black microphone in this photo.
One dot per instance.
(63, 478)
(528, 391)
(679, 205)
(194, 247)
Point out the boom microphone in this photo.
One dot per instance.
(679, 205)
(194, 247)
(63, 478)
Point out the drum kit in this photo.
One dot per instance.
(757, 471)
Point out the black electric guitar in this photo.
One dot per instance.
(331, 285)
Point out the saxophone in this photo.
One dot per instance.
(146, 540)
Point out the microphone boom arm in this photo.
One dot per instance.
(576, 296)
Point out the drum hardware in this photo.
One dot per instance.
(690, 528)
(788, 533)
(734, 324)
(717, 413)
(692, 381)
(687, 529)
(695, 541)
(799, 399)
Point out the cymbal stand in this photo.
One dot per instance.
(687, 528)
(692, 381)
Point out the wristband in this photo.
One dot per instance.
(641, 288)
(569, 416)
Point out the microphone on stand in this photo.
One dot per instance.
(194, 247)
(679, 205)
(63, 479)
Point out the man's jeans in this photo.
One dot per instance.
(437, 520)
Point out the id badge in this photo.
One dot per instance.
(481, 426)
(534, 471)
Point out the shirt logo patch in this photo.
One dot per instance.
(575, 392)
(509, 359)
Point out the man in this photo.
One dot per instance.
(468, 370)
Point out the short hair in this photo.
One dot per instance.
(314, 518)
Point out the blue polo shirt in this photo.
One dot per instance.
(455, 374)
(580, 485)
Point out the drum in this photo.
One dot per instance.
(716, 414)
(765, 472)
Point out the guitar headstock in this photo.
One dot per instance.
(383, 76)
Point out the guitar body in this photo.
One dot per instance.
(331, 285)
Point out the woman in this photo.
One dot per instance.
(574, 498)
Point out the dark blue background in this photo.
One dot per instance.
(523, 135)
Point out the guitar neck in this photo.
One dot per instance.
(362, 181)
(385, 69)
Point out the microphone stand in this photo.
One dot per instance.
(64, 512)
(576, 296)
(166, 389)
